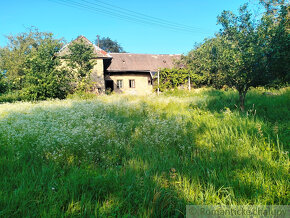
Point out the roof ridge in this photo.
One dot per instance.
(96, 48)
(141, 53)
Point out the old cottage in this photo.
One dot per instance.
(125, 72)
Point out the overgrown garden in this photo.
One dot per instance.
(75, 154)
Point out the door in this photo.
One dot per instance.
(109, 85)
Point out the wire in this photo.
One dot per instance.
(143, 16)
(124, 16)
(128, 18)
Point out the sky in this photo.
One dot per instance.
(163, 26)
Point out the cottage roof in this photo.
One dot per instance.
(98, 52)
(141, 62)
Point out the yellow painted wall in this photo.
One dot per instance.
(141, 80)
(97, 75)
(141, 83)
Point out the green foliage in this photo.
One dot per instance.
(278, 50)
(202, 62)
(31, 71)
(3, 83)
(272, 6)
(12, 97)
(172, 78)
(80, 60)
(31, 67)
(133, 156)
(14, 55)
(245, 54)
(240, 52)
(43, 76)
(108, 45)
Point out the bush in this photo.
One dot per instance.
(174, 78)
(3, 86)
(3, 83)
(12, 97)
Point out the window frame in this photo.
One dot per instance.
(130, 83)
(119, 87)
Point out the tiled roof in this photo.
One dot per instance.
(141, 62)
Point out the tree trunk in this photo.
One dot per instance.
(242, 95)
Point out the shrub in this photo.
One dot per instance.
(12, 97)
(174, 78)
(3, 83)
(3, 86)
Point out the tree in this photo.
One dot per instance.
(109, 45)
(15, 53)
(240, 53)
(202, 63)
(278, 52)
(80, 60)
(3, 82)
(243, 53)
(43, 77)
(272, 6)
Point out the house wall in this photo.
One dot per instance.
(142, 86)
(141, 83)
(97, 75)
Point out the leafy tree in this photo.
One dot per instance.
(244, 53)
(202, 63)
(272, 6)
(43, 76)
(109, 45)
(239, 53)
(278, 47)
(13, 56)
(80, 60)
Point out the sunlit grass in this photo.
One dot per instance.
(143, 155)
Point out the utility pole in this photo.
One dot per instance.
(98, 38)
(158, 84)
(189, 87)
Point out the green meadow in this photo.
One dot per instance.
(143, 156)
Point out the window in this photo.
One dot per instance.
(119, 84)
(131, 83)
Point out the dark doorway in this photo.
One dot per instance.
(109, 85)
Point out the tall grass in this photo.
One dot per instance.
(145, 156)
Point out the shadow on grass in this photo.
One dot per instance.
(142, 177)
(273, 107)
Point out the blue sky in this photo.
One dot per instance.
(69, 22)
